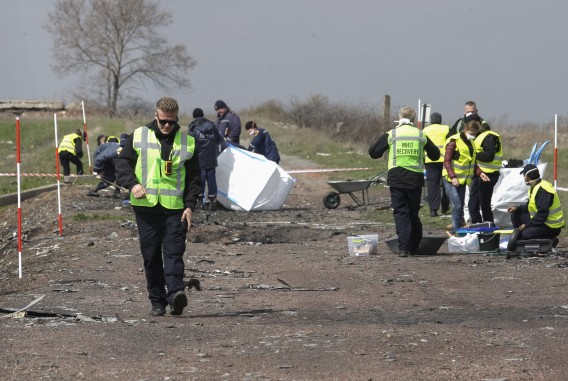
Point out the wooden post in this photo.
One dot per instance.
(386, 110)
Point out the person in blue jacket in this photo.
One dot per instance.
(207, 141)
(103, 167)
(228, 123)
(262, 143)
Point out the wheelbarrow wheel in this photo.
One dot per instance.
(331, 200)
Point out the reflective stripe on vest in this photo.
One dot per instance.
(149, 170)
(406, 148)
(555, 218)
(464, 167)
(437, 134)
(68, 143)
(497, 163)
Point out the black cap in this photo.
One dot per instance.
(220, 104)
(435, 118)
(531, 171)
(197, 113)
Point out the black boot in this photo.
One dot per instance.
(212, 203)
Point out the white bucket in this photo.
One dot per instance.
(363, 245)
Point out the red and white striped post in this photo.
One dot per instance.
(555, 149)
(86, 137)
(19, 198)
(58, 172)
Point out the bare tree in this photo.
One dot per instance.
(116, 45)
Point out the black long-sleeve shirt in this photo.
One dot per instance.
(126, 163)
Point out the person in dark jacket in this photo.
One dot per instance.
(469, 113)
(541, 217)
(101, 139)
(406, 146)
(207, 141)
(160, 167)
(438, 133)
(70, 150)
(105, 168)
(262, 143)
(228, 123)
(489, 158)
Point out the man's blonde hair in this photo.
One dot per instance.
(167, 104)
(408, 113)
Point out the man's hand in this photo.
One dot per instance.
(512, 209)
(186, 215)
(484, 177)
(138, 191)
(455, 182)
(522, 227)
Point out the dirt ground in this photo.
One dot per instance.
(281, 299)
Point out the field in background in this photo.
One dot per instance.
(333, 136)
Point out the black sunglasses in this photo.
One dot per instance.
(163, 122)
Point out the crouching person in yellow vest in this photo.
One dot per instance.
(541, 217)
(70, 150)
(406, 145)
(160, 167)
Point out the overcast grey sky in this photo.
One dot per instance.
(509, 56)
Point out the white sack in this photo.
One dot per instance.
(510, 190)
(248, 181)
(466, 244)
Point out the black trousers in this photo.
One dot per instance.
(480, 193)
(65, 158)
(162, 243)
(532, 232)
(406, 205)
(108, 173)
(436, 197)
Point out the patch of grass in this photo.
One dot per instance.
(37, 146)
(96, 217)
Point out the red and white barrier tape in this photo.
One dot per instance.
(39, 175)
(30, 174)
(326, 170)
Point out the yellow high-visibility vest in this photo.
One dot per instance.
(497, 163)
(149, 170)
(406, 148)
(464, 167)
(555, 217)
(437, 134)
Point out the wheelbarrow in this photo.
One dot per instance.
(331, 200)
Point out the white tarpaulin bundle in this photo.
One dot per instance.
(248, 181)
(510, 190)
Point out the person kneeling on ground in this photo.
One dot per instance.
(104, 167)
(541, 217)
